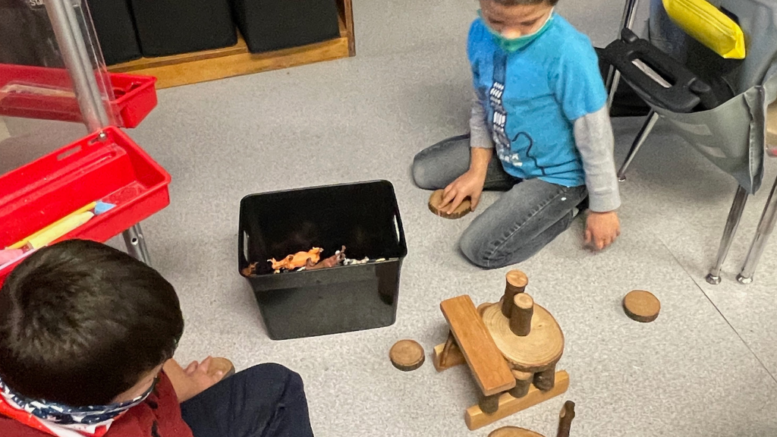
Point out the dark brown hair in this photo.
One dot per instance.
(81, 323)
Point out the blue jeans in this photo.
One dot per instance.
(267, 400)
(528, 216)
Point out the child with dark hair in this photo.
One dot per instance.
(539, 131)
(87, 336)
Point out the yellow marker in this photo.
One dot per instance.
(59, 229)
(22, 243)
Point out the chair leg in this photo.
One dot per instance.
(765, 228)
(734, 217)
(614, 76)
(639, 141)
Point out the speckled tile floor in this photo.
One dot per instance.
(706, 367)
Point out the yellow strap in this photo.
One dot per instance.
(709, 26)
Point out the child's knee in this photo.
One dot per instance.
(488, 254)
(421, 171)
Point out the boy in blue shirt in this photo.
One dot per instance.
(539, 130)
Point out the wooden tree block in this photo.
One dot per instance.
(511, 431)
(641, 306)
(488, 366)
(536, 352)
(516, 283)
(407, 355)
(508, 405)
(436, 200)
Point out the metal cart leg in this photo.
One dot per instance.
(650, 123)
(734, 216)
(136, 244)
(613, 75)
(765, 228)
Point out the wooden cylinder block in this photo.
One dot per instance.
(522, 312)
(489, 404)
(516, 283)
(523, 382)
(545, 380)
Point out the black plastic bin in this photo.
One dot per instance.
(115, 29)
(171, 27)
(270, 25)
(364, 217)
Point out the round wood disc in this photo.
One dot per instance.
(641, 306)
(536, 352)
(407, 355)
(511, 431)
(435, 201)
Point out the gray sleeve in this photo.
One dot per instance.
(479, 134)
(595, 141)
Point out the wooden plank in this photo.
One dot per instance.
(188, 68)
(508, 405)
(246, 63)
(454, 358)
(486, 362)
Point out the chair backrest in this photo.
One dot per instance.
(758, 20)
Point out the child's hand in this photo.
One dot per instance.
(195, 379)
(470, 184)
(602, 228)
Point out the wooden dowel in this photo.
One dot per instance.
(565, 419)
(523, 382)
(545, 380)
(489, 404)
(449, 343)
(521, 314)
(516, 283)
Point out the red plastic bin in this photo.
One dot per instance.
(115, 170)
(135, 95)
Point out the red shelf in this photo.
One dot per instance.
(115, 170)
(135, 95)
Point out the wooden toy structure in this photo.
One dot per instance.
(511, 347)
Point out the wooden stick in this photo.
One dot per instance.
(489, 404)
(445, 350)
(521, 315)
(523, 382)
(565, 419)
(516, 283)
(545, 380)
(508, 405)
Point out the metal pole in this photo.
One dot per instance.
(75, 54)
(136, 244)
(652, 119)
(614, 76)
(734, 217)
(73, 49)
(765, 228)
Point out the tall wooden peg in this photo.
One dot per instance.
(516, 283)
(521, 314)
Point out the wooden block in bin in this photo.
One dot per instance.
(489, 368)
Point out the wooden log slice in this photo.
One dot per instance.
(536, 352)
(511, 431)
(437, 198)
(641, 306)
(407, 355)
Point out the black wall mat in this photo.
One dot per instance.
(169, 27)
(26, 36)
(279, 24)
(115, 29)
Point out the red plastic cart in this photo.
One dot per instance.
(104, 166)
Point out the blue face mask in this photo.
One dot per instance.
(511, 45)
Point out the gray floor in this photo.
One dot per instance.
(706, 367)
